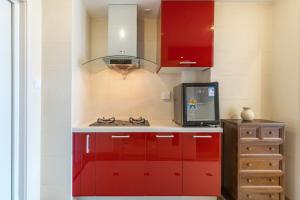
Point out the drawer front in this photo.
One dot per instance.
(259, 149)
(259, 164)
(260, 181)
(249, 133)
(259, 196)
(270, 132)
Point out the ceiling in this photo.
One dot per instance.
(98, 8)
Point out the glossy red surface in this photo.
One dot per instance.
(120, 164)
(201, 165)
(186, 33)
(146, 164)
(88, 165)
(164, 164)
(83, 164)
(77, 157)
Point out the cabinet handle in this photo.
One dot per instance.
(249, 132)
(271, 132)
(272, 196)
(87, 144)
(202, 136)
(120, 136)
(249, 196)
(164, 136)
(249, 180)
(188, 63)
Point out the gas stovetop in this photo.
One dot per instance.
(113, 122)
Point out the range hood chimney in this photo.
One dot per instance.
(122, 30)
(122, 38)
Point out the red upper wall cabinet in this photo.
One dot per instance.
(186, 30)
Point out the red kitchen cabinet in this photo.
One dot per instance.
(120, 163)
(146, 164)
(83, 164)
(187, 35)
(202, 164)
(163, 170)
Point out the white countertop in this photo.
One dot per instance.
(155, 126)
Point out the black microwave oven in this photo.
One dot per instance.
(196, 104)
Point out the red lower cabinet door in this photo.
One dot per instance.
(163, 171)
(83, 164)
(76, 166)
(201, 164)
(120, 162)
(88, 164)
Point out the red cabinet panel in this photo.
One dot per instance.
(120, 162)
(163, 171)
(88, 165)
(77, 159)
(83, 164)
(187, 33)
(202, 164)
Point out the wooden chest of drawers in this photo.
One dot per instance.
(253, 161)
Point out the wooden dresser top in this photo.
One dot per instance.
(254, 122)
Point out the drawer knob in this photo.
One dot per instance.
(249, 148)
(271, 148)
(271, 180)
(270, 132)
(271, 164)
(249, 180)
(249, 132)
(249, 196)
(249, 164)
(272, 196)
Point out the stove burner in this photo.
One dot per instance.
(113, 122)
(139, 120)
(106, 120)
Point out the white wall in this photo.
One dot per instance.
(243, 66)
(81, 80)
(139, 94)
(284, 85)
(56, 99)
(241, 52)
(34, 61)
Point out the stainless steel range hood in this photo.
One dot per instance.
(122, 41)
(122, 38)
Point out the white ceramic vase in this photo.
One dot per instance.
(247, 114)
